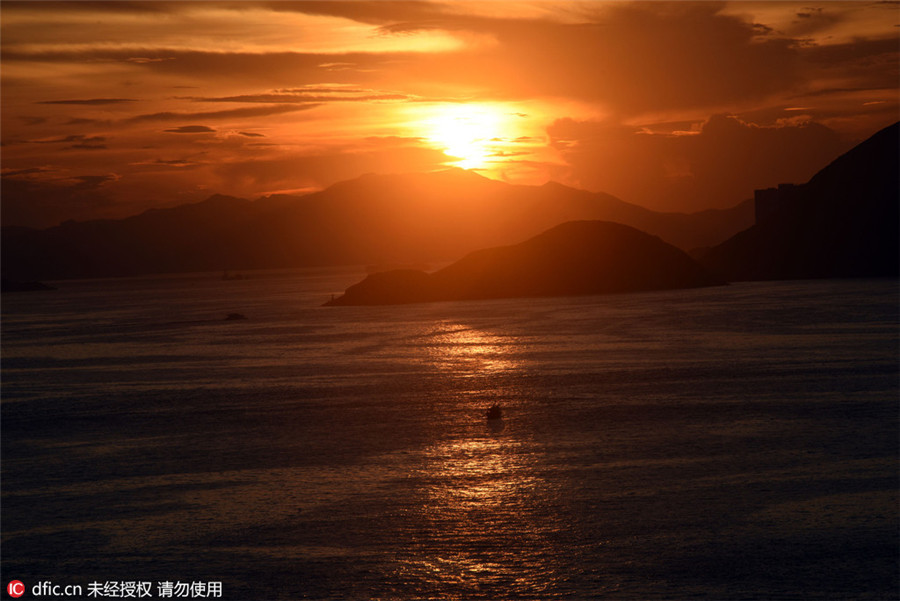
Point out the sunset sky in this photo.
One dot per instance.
(110, 108)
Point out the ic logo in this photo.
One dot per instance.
(15, 588)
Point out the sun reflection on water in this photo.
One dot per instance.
(489, 528)
(478, 473)
(468, 351)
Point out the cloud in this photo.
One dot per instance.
(86, 147)
(631, 58)
(337, 66)
(313, 94)
(250, 134)
(79, 138)
(177, 163)
(89, 101)
(718, 165)
(367, 12)
(858, 55)
(25, 172)
(77, 141)
(813, 20)
(226, 114)
(143, 59)
(180, 163)
(191, 129)
(91, 182)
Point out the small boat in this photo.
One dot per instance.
(495, 412)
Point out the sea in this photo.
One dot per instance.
(733, 442)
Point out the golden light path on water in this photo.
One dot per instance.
(485, 487)
(469, 352)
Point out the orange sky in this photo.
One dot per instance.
(109, 108)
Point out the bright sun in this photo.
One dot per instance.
(466, 132)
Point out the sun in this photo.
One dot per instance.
(466, 132)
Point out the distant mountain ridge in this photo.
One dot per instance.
(844, 222)
(410, 218)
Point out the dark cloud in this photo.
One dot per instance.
(78, 141)
(274, 69)
(717, 166)
(311, 94)
(89, 101)
(250, 134)
(86, 147)
(78, 138)
(25, 172)
(177, 163)
(851, 52)
(180, 163)
(812, 20)
(264, 69)
(191, 129)
(91, 182)
(262, 111)
(631, 58)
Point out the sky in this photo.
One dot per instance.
(110, 108)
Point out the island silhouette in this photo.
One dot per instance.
(575, 258)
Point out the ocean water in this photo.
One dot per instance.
(737, 442)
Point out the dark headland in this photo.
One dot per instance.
(574, 258)
(843, 223)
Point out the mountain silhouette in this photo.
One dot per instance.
(844, 222)
(575, 258)
(373, 219)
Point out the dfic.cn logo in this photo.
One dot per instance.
(15, 588)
